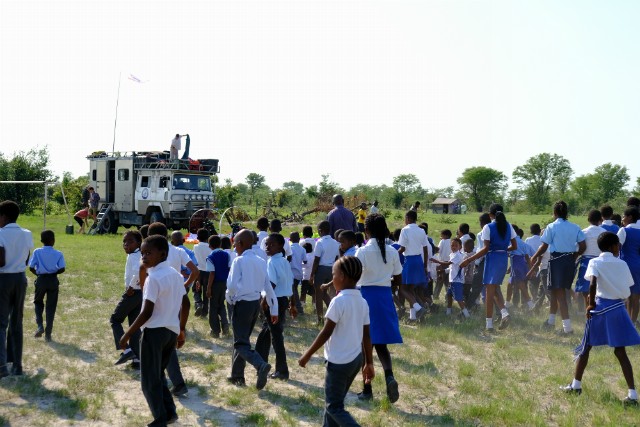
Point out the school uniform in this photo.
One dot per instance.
(327, 250)
(519, 266)
(610, 323)
(630, 252)
(279, 272)
(562, 237)
(261, 236)
(456, 277)
(375, 286)
(591, 234)
(495, 265)
(442, 279)
(201, 252)
(164, 288)
(413, 239)
(256, 248)
(248, 277)
(218, 263)
(46, 261)
(343, 353)
(17, 243)
(609, 225)
(130, 303)
(307, 266)
(468, 274)
(309, 240)
(287, 247)
(192, 257)
(298, 254)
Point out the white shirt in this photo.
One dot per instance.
(444, 251)
(262, 254)
(286, 247)
(413, 239)
(248, 277)
(309, 240)
(622, 234)
(327, 250)
(132, 270)
(176, 143)
(261, 236)
(164, 288)
(591, 234)
(464, 238)
(298, 254)
(232, 253)
(177, 258)
(374, 209)
(306, 267)
(486, 232)
(350, 312)
(202, 251)
(374, 270)
(455, 258)
(17, 243)
(613, 275)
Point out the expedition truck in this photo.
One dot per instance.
(143, 187)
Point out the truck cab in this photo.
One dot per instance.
(143, 187)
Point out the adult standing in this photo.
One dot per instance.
(374, 208)
(15, 247)
(415, 207)
(176, 146)
(85, 196)
(561, 237)
(341, 218)
(94, 202)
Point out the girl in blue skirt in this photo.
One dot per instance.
(629, 237)
(608, 322)
(380, 263)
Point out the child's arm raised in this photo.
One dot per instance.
(321, 339)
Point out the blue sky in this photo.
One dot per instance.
(362, 90)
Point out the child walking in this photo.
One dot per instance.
(325, 254)
(163, 319)
(46, 263)
(591, 234)
(201, 250)
(345, 337)
(456, 277)
(218, 265)
(608, 323)
(413, 245)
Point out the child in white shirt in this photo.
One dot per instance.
(456, 277)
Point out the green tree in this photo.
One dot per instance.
(25, 166)
(610, 181)
(254, 181)
(406, 183)
(482, 185)
(540, 175)
(294, 187)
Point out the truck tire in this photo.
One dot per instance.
(156, 216)
(109, 224)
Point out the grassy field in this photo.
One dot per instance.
(449, 372)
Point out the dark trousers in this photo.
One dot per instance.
(200, 296)
(543, 292)
(128, 307)
(13, 288)
(156, 346)
(296, 294)
(336, 385)
(274, 335)
(173, 369)
(442, 280)
(217, 311)
(476, 286)
(245, 314)
(46, 285)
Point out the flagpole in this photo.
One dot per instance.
(115, 122)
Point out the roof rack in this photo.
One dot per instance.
(160, 160)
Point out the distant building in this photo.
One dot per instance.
(443, 205)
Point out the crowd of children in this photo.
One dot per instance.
(365, 279)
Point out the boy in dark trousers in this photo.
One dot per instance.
(218, 264)
(46, 263)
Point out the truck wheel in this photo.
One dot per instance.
(109, 224)
(156, 216)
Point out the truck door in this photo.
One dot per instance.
(101, 180)
(124, 185)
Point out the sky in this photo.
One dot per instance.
(360, 90)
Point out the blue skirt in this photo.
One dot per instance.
(519, 268)
(413, 270)
(609, 326)
(384, 327)
(562, 270)
(582, 284)
(495, 267)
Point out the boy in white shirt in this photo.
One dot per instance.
(444, 250)
(608, 322)
(307, 266)
(298, 255)
(163, 319)
(325, 254)
(201, 251)
(456, 277)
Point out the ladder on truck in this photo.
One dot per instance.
(104, 211)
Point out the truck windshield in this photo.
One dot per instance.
(191, 182)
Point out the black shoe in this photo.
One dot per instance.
(135, 364)
(504, 323)
(570, 390)
(277, 375)
(225, 330)
(125, 357)
(4, 373)
(365, 396)
(16, 371)
(179, 390)
(392, 389)
(627, 401)
(263, 374)
(47, 337)
(420, 313)
(239, 382)
(198, 311)
(547, 327)
(214, 334)
(171, 419)
(39, 332)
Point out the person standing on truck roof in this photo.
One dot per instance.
(176, 145)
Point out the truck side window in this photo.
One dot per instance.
(94, 175)
(123, 174)
(144, 181)
(164, 181)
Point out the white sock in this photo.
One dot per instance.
(530, 304)
(127, 350)
(412, 313)
(575, 384)
(633, 394)
(489, 322)
(566, 325)
(448, 311)
(552, 319)
(504, 312)
(466, 312)
(416, 306)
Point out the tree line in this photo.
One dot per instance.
(539, 181)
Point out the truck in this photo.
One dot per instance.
(138, 188)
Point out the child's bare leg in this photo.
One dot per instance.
(449, 301)
(490, 295)
(633, 305)
(625, 364)
(509, 292)
(582, 362)
(407, 293)
(561, 301)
